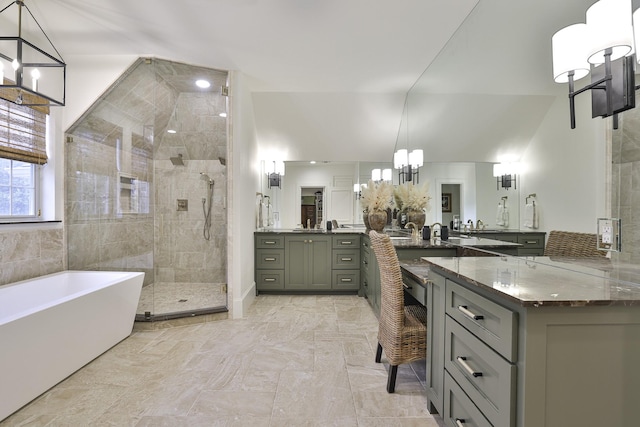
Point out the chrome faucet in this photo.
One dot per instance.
(470, 222)
(433, 229)
(478, 224)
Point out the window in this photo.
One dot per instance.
(22, 149)
(17, 189)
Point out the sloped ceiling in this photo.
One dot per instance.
(329, 77)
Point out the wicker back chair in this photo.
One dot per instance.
(572, 245)
(402, 330)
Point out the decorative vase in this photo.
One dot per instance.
(365, 218)
(377, 220)
(417, 217)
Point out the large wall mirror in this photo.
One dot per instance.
(324, 191)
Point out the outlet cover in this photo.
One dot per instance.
(609, 234)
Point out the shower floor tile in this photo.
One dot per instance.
(165, 297)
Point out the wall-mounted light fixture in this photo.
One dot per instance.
(505, 174)
(378, 175)
(357, 190)
(275, 171)
(604, 46)
(30, 75)
(408, 164)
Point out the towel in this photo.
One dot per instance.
(500, 214)
(530, 215)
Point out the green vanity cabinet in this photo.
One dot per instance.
(532, 241)
(345, 262)
(269, 259)
(435, 343)
(308, 262)
(370, 275)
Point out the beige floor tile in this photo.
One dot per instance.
(293, 361)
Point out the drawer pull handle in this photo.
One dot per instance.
(269, 279)
(345, 280)
(269, 259)
(463, 309)
(460, 422)
(346, 242)
(346, 259)
(269, 242)
(463, 361)
(365, 262)
(531, 242)
(407, 286)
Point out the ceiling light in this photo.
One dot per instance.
(21, 59)
(203, 84)
(222, 114)
(171, 131)
(313, 162)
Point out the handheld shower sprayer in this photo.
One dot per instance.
(207, 178)
(206, 210)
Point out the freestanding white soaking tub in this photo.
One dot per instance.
(53, 325)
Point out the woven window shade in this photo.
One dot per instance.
(22, 133)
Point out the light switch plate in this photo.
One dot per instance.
(609, 234)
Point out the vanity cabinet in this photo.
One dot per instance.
(370, 275)
(532, 241)
(498, 359)
(307, 262)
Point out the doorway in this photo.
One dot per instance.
(311, 207)
(451, 214)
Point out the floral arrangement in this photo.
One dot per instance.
(412, 197)
(376, 196)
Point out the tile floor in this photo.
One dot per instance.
(293, 361)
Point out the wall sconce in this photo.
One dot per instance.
(408, 164)
(378, 175)
(275, 171)
(599, 46)
(357, 191)
(29, 75)
(505, 174)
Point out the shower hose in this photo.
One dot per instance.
(206, 231)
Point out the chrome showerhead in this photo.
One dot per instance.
(177, 161)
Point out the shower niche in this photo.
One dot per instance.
(149, 140)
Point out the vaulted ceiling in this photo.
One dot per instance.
(329, 78)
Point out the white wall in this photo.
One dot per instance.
(245, 182)
(566, 168)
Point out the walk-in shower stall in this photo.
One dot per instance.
(146, 184)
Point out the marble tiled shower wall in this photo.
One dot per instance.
(123, 189)
(625, 186)
(30, 253)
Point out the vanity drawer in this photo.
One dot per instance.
(270, 259)
(414, 289)
(346, 259)
(487, 378)
(459, 411)
(270, 241)
(346, 280)
(490, 322)
(535, 241)
(348, 241)
(270, 280)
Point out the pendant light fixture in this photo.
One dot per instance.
(29, 75)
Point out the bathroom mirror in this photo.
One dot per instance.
(473, 192)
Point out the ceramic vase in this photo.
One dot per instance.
(417, 217)
(377, 220)
(365, 218)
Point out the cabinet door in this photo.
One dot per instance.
(319, 263)
(296, 256)
(308, 262)
(435, 342)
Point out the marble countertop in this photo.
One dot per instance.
(540, 281)
(402, 239)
